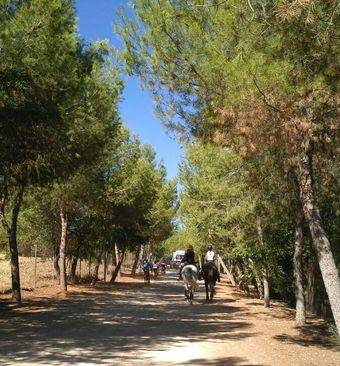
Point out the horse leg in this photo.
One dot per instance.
(211, 291)
(206, 291)
(190, 294)
(186, 292)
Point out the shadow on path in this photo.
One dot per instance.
(107, 327)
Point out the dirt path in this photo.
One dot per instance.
(128, 324)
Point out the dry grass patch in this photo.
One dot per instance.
(44, 272)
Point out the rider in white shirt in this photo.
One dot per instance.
(209, 258)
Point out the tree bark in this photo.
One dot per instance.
(11, 230)
(328, 269)
(90, 262)
(62, 251)
(68, 266)
(96, 268)
(258, 282)
(74, 268)
(300, 315)
(118, 266)
(310, 286)
(56, 267)
(105, 266)
(137, 258)
(16, 289)
(117, 260)
(75, 258)
(265, 276)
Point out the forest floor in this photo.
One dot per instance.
(131, 324)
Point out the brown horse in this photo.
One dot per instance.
(210, 276)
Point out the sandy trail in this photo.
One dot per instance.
(129, 324)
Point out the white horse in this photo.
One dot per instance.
(190, 278)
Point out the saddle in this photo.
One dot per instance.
(209, 265)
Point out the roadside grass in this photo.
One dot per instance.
(44, 272)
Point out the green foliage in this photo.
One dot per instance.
(260, 79)
(201, 59)
(216, 199)
(219, 204)
(62, 141)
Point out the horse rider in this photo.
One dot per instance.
(189, 258)
(209, 259)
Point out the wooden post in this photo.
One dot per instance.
(35, 266)
(228, 273)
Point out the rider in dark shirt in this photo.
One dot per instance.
(189, 258)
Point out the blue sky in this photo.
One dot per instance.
(95, 19)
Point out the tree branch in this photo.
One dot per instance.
(264, 97)
(2, 209)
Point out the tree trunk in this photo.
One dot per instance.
(16, 289)
(75, 258)
(105, 266)
(118, 266)
(68, 266)
(258, 282)
(90, 262)
(200, 261)
(109, 264)
(74, 268)
(300, 315)
(310, 286)
(62, 251)
(137, 258)
(13, 245)
(56, 268)
(321, 243)
(264, 263)
(117, 260)
(96, 268)
(11, 231)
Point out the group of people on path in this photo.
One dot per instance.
(189, 258)
(154, 266)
